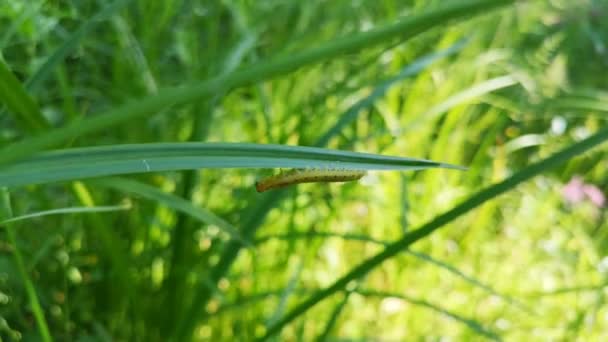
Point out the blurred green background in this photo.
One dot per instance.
(494, 91)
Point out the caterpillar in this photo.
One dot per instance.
(299, 176)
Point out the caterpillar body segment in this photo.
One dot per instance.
(308, 176)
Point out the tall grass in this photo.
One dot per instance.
(191, 99)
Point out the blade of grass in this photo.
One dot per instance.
(568, 290)
(288, 291)
(441, 220)
(320, 235)
(173, 202)
(469, 279)
(253, 218)
(79, 163)
(404, 29)
(470, 323)
(241, 302)
(61, 211)
(333, 318)
(19, 103)
(69, 210)
(6, 214)
(114, 253)
(580, 104)
(464, 96)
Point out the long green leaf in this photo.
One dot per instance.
(463, 96)
(469, 322)
(592, 104)
(333, 318)
(403, 30)
(171, 201)
(18, 102)
(441, 220)
(70, 210)
(79, 163)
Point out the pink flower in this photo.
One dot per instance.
(577, 191)
(595, 195)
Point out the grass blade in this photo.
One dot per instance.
(6, 214)
(464, 96)
(70, 210)
(333, 318)
(284, 297)
(580, 104)
(79, 163)
(470, 323)
(173, 202)
(19, 102)
(470, 280)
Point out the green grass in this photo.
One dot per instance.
(34, 301)
(175, 108)
(80, 163)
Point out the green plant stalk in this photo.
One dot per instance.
(169, 200)
(181, 250)
(183, 227)
(333, 318)
(466, 206)
(69, 210)
(254, 219)
(27, 282)
(118, 278)
(19, 102)
(403, 30)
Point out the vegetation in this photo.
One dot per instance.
(143, 223)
